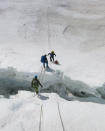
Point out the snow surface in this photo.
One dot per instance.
(24, 112)
(75, 98)
(73, 28)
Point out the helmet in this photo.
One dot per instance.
(52, 51)
(36, 76)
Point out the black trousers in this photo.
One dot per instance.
(51, 58)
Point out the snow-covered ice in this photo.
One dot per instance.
(73, 96)
(49, 113)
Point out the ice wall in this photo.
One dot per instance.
(11, 81)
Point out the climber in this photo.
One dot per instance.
(35, 84)
(52, 54)
(44, 60)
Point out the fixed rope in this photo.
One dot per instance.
(41, 69)
(42, 74)
(61, 117)
(48, 29)
(41, 113)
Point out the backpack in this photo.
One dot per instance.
(42, 58)
(35, 82)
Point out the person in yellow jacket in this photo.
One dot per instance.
(35, 84)
(52, 54)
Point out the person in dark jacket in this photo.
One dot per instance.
(52, 54)
(35, 84)
(44, 60)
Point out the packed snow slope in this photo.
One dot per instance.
(74, 29)
(24, 112)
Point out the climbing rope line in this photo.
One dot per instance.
(41, 69)
(48, 29)
(41, 114)
(41, 76)
(60, 117)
